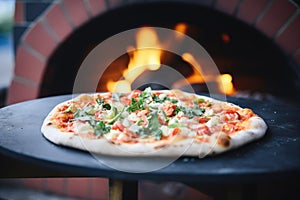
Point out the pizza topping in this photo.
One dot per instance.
(100, 128)
(169, 108)
(83, 128)
(70, 109)
(176, 125)
(149, 115)
(203, 130)
(118, 126)
(142, 121)
(231, 115)
(153, 127)
(191, 112)
(116, 115)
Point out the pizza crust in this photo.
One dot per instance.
(219, 142)
(257, 129)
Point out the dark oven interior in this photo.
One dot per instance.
(258, 67)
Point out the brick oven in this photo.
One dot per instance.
(46, 34)
(256, 41)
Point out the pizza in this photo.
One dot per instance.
(151, 123)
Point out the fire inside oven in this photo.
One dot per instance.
(140, 67)
(250, 64)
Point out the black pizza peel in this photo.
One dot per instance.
(274, 157)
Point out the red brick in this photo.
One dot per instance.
(55, 185)
(19, 92)
(227, 6)
(19, 12)
(275, 17)
(97, 6)
(250, 10)
(57, 20)
(193, 194)
(34, 183)
(77, 11)
(297, 59)
(28, 66)
(99, 188)
(289, 39)
(39, 39)
(78, 187)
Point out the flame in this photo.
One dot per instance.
(147, 56)
(196, 77)
(224, 81)
(142, 59)
(119, 86)
(227, 85)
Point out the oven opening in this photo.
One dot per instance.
(250, 64)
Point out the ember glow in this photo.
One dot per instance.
(181, 27)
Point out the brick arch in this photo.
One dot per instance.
(37, 44)
(277, 19)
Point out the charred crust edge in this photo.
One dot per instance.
(224, 141)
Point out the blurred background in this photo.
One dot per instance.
(6, 46)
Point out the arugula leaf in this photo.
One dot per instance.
(146, 93)
(70, 109)
(178, 109)
(159, 100)
(156, 99)
(175, 125)
(100, 128)
(104, 105)
(136, 105)
(117, 116)
(165, 116)
(88, 111)
(140, 102)
(100, 101)
(79, 113)
(153, 127)
(153, 121)
(198, 111)
(191, 112)
(157, 134)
